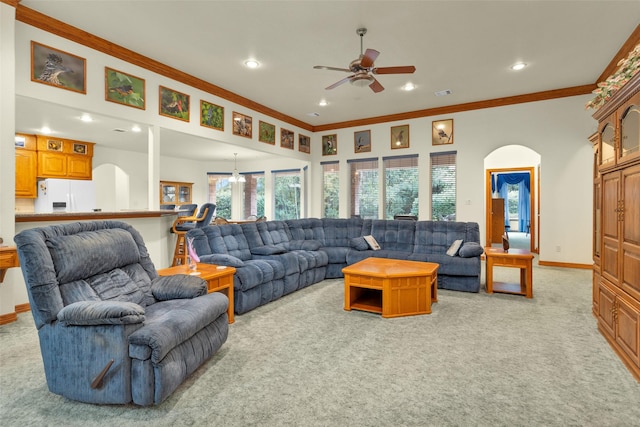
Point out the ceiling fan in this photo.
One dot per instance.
(363, 69)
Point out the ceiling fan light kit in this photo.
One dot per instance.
(363, 68)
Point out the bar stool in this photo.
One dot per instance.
(182, 224)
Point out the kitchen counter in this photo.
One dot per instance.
(89, 216)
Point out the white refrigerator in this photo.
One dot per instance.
(65, 195)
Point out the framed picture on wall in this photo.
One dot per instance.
(123, 88)
(55, 67)
(243, 125)
(442, 132)
(329, 144)
(362, 141)
(174, 104)
(286, 138)
(400, 136)
(211, 115)
(266, 132)
(304, 143)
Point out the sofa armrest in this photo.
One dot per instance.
(86, 313)
(269, 249)
(178, 286)
(222, 259)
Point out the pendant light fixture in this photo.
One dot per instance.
(235, 176)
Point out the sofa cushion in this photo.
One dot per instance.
(372, 242)
(85, 313)
(359, 243)
(222, 259)
(454, 248)
(470, 249)
(393, 235)
(269, 250)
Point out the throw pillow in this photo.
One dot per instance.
(454, 248)
(372, 242)
(358, 243)
(470, 250)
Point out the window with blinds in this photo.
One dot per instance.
(330, 189)
(364, 187)
(220, 193)
(253, 194)
(443, 186)
(286, 194)
(400, 185)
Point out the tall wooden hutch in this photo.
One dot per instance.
(616, 237)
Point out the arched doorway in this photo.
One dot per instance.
(509, 168)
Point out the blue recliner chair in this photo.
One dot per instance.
(111, 330)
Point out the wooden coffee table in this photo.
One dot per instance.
(516, 258)
(219, 279)
(391, 287)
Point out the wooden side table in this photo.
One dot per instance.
(219, 279)
(516, 258)
(8, 259)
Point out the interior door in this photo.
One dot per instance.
(497, 220)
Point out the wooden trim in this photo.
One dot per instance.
(23, 308)
(59, 28)
(631, 42)
(90, 216)
(13, 3)
(565, 265)
(8, 318)
(450, 109)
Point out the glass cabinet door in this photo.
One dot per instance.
(630, 131)
(608, 138)
(185, 194)
(168, 194)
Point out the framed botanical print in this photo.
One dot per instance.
(442, 132)
(54, 67)
(174, 104)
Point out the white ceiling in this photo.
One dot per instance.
(464, 46)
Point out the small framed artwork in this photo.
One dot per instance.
(362, 141)
(174, 104)
(211, 115)
(286, 138)
(304, 143)
(442, 132)
(54, 145)
(80, 148)
(329, 145)
(124, 88)
(54, 67)
(400, 136)
(242, 125)
(266, 132)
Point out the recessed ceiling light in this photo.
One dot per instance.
(86, 118)
(518, 66)
(408, 87)
(251, 63)
(46, 130)
(135, 128)
(323, 103)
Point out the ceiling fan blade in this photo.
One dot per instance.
(408, 69)
(368, 58)
(376, 86)
(324, 67)
(336, 84)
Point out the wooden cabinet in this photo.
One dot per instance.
(175, 193)
(64, 158)
(26, 166)
(616, 253)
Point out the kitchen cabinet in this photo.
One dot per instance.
(175, 193)
(26, 166)
(64, 158)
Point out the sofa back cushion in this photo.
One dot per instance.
(226, 239)
(393, 235)
(435, 237)
(339, 232)
(306, 229)
(274, 232)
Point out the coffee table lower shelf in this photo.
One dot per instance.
(366, 300)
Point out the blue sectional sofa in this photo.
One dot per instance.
(275, 258)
